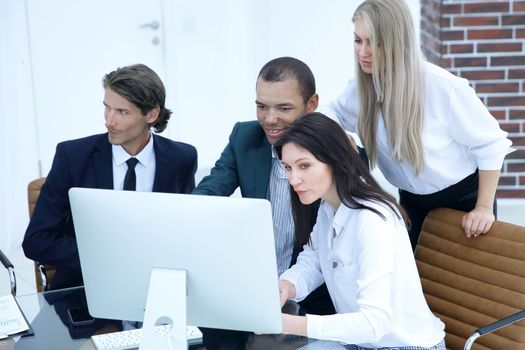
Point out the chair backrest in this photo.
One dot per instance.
(471, 282)
(33, 191)
(43, 273)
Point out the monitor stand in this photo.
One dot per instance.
(166, 303)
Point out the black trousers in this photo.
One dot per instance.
(461, 196)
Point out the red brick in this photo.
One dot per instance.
(514, 60)
(517, 114)
(516, 167)
(517, 154)
(487, 7)
(445, 62)
(519, 6)
(470, 62)
(522, 180)
(507, 181)
(517, 141)
(430, 29)
(520, 33)
(450, 8)
(511, 128)
(489, 34)
(497, 87)
(476, 21)
(444, 22)
(510, 194)
(461, 48)
(429, 15)
(516, 73)
(506, 101)
(450, 35)
(498, 113)
(513, 20)
(483, 74)
(500, 47)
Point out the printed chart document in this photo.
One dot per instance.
(12, 320)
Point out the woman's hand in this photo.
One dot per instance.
(294, 324)
(286, 291)
(478, 221)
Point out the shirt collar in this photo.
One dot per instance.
(338, 218)
(145, 157)
(274, 153)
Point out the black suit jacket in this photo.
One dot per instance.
(87, 162)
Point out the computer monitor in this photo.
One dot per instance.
(225, 244)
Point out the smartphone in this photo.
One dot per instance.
(79, 316)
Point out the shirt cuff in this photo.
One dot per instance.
(301, 289)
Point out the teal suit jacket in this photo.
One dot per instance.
(246, 163)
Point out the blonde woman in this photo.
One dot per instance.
(425, 128)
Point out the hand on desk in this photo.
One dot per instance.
(293, 324)
(286, 291)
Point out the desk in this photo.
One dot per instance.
(45, 311)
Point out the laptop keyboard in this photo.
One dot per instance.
(130, 339)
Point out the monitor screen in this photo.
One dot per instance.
(226, 246)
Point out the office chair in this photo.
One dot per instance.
(10, 270)
(473, 282)
(43, 273)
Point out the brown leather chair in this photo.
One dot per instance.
(43, 273)
(472, 282)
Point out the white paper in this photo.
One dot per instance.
(12, 320)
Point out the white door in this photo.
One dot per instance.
(73, 44)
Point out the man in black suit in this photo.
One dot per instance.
(133, 105)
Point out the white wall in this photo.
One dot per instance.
(213, 52)
(18, 146)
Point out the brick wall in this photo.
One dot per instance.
(484, 41)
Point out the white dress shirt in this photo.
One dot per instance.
(371, 275)
(459, 134)
(144, 170)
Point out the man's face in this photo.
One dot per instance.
(279, 104)
(126, 124)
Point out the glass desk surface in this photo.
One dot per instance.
(47, 314)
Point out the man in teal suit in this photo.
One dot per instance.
(285, 90)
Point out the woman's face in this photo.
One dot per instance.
(310, 178)
(362, 46)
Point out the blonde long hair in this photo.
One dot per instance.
(395, 86)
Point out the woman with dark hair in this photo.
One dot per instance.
(359, 247)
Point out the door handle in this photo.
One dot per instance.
(153, 25)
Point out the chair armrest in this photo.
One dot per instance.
(494, 326)
(10, 269)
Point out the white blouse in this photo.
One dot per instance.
(371, 275)
(459, 134)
